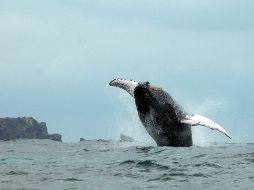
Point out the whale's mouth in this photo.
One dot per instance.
(128, 85)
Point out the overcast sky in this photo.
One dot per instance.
(57, 57)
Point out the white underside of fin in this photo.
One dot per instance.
(194, 120)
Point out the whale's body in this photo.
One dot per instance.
(164, 120)
(161, 117)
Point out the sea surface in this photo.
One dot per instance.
(45, 164)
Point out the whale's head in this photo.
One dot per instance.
(127, 85)
(143, 92)
(131, 85)
(146, 95)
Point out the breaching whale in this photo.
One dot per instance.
(164, 120)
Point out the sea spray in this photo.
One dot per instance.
(126, 120)
(130, 124)
(210, 106)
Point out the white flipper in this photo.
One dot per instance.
(204, 121)
(128, 85)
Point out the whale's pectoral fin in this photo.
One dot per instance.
(194, 120)
(128, 85)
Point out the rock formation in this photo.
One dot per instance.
(125, 138)
(25, 128)
(82, 139)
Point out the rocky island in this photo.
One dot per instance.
(125, 138)
(25, 128)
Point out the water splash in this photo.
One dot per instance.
(201, 135)
(131, 124)
(126, 120)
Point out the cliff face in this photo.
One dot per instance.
(25, 128)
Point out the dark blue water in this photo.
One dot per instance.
(45, 164)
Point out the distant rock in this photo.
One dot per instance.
(25, 128)
(82, 139)
(126, 138)
(55, 137)
(103, 140)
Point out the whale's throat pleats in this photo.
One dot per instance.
(141, 99)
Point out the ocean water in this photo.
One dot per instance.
(45, 164)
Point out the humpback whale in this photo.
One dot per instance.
(164, 120)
